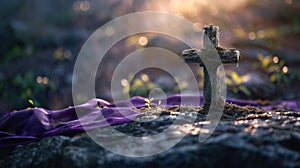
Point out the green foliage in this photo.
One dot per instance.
(297, 74)
(274, 67)
(17, 51)
(138, 87)
(142, 85)
(24, 90)
(141, 88)
(296, 24)
(234, 83)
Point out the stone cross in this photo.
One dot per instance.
(211, 45)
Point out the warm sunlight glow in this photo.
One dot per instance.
(193, 8)
(214, 10)
(197, 27)
(288, 1)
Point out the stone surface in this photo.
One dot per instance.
(245, 137)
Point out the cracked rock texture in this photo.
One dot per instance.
(244, 137)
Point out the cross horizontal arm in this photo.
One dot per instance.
(226, 55)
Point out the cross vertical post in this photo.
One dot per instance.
(210, 39)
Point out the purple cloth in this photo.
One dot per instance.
(33, 124)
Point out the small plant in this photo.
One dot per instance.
(148, 102)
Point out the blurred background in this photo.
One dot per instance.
(40, 41)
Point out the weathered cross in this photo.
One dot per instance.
(210, 64)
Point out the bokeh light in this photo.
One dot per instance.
(144, 77)
(42, 80)
(285, 69)
(260, 34)
(124, 82)
(251, 35)
(45, 80)
(81, 6)
(275, 59)
(39, 79)
(143, 40)
(109, 31)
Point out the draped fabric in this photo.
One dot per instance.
(33, 124)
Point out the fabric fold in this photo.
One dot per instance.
(29, 125)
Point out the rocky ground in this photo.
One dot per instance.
(245, 137)
(41, 41)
